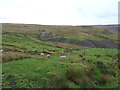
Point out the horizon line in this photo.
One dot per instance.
(59, 25)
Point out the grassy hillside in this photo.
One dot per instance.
(91, 57)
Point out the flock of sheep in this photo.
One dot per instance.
(49, 56)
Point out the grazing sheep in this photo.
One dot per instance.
(48, 56)
(1, 50)
(42, 54)
(62, 57)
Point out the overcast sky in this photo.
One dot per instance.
(59, 12)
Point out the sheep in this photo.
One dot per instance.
(48, 56)
(42, 54)
(62, 57)
(1, 50)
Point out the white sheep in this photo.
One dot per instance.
(48, 56)
(62, 57)
(1, 50)
(42, 54)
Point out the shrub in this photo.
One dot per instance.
(81, 76)
(56, 81)
(104, 79)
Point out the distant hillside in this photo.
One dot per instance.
(98, 36)
(108, 27)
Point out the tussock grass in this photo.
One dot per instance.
(99, 68)
(10, 56)
(105, 78)
(81, 76)
(56, 81)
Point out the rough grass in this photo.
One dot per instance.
(31, 68)
(100, 65)
(10, 56)
(81, 76)
(49, 72)
(42, 72)
(25, 43)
